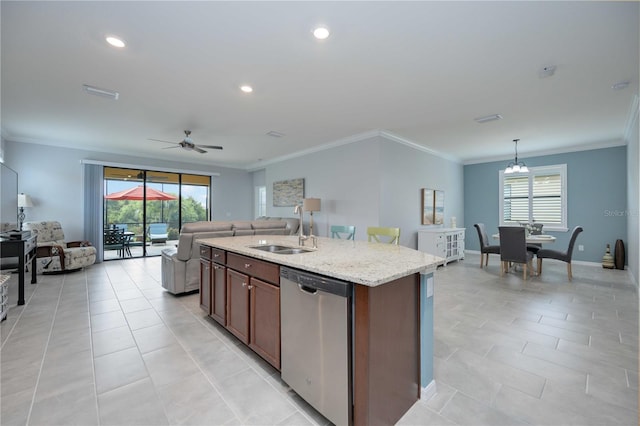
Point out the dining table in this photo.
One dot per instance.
(534, 239)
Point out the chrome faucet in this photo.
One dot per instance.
(301, 237)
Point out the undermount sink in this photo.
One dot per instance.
(277, 249)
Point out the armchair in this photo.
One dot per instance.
(56, 255)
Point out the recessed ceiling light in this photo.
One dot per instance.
(547, 71)
(246, 89)
(486, 118)
(115, 41)
(321, 33)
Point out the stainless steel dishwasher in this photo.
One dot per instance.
(316, 341)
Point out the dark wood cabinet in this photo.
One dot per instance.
(264, 310)
(243, 294)
(219, 293)
(238, 305)
(205, 285)
(218, 285)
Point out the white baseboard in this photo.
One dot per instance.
(429, 391)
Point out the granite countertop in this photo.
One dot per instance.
(359, 262)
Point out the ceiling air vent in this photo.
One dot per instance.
(487, 118)
(105, 93)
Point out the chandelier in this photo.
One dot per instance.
(516, 166)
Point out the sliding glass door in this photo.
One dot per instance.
(144, 209)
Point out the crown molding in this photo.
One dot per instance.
(576, 148)
(348, 140)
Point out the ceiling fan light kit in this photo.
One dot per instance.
(187, 144)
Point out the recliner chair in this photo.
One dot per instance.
(54, 254)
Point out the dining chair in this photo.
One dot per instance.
(513, 249)
(564, 256)
(374, 234)
(485, 248)
(346, 232)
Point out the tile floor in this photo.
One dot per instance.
(108, 346)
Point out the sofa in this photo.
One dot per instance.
(181, 264)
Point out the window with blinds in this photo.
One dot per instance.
(539, 196)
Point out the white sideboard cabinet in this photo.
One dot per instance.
(447, 243)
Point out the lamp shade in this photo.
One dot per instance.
(24, 200)
(311, 204)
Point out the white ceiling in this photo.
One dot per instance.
(419, 70)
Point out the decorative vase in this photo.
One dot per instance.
(453, 222)
(618, 254)
(607, 259)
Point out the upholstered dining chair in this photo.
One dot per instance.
(345, 232)
(513, 249)
(392, 234)
(485, 248)
(564, 256)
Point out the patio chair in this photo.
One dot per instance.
(114, 239)
(158, 232)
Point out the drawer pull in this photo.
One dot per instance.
(247, 265)
(244, 284)
(250, 287)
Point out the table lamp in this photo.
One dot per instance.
(23, 201)
(311, 205)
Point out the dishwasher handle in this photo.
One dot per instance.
(309, 290)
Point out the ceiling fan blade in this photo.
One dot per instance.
(170, 147)
(159, 140)
(201, 151)
(210, 146)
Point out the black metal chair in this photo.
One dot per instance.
(485, 248)
(513, 249)
(114, 239)
(564, 256)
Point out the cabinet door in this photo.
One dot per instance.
(219, 293)
(238, 305)
(205, 285)
(265, 321)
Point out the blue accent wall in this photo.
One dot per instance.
(596, 198)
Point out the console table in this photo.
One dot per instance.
(24, 250)
(447, 243)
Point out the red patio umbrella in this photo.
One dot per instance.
(137, 193)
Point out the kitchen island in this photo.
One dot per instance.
(391, 315)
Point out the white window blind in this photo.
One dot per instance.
(539, 196)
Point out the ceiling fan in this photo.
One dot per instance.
(187, 143)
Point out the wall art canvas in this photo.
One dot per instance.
(288, 192)
(438, 207)
(432, 207)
